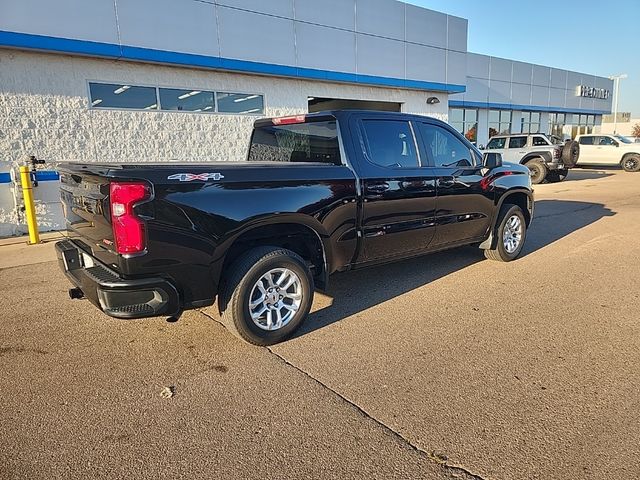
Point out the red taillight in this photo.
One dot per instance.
(289, 120)
(128, 228)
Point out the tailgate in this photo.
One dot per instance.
(85, 203)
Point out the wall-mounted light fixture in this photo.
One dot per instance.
(433, 100)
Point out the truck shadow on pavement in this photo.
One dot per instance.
(356, 291)
(578, 174)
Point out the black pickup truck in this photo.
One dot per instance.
(318, 194)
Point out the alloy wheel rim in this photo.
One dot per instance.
(534, 171)
(512, 235)
(275, 298)
(631, 164)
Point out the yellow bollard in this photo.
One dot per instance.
(29, 205)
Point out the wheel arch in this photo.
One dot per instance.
(298, 233)
(629, 154)
(544, 156)
(516, 196)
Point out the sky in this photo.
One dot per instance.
(592, 36)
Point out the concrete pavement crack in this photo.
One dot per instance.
(456, 470)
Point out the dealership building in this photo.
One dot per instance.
(169, 80)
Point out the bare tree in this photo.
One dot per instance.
(635, 132)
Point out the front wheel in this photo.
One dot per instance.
(267, 294)
(631, 163)
(538, 171)
(511, 233)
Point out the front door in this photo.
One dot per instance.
(398, 209)
(464, 207)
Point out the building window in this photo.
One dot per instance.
(187, 100)
(111, 95)
(530, 122)
(499, 122)
(240, 103)
(130, 97)
(465, 120)
(583, 124)
(556, 124)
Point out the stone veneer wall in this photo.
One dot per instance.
(44, 111)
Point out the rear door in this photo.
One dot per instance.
(588, 150)
(464, 207)
(399, 197)
(516, 149)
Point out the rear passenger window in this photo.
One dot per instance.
(390, 143)
(302, 142)
(517, 142)
(586, 140)
(540, 142)
(444, 148)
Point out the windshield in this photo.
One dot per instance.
(623, 139)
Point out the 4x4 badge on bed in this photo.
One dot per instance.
(188, 177)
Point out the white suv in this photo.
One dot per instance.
(603, 149)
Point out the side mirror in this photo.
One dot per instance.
(492, 160)
(481, 147)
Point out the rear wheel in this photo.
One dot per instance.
(631, 163)
(511, 233)
(267, 295)
(538, 170)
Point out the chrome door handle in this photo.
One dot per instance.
(378, 187)
(447, 182)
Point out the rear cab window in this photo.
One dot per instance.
(314, 141)
(586, 141)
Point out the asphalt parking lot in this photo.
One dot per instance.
(449, 366)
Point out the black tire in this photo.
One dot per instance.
(570, 153)
(538, 170)
(631, 163)
(500, 252)
(239, 283)
(557, 176)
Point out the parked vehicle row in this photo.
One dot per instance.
(550, 159)
(318, 194)
(547, 157)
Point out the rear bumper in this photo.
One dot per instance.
(116, 296)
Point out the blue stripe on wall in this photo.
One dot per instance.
(525, 108)
(125, 52)
(41, 176)
(47, 175)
